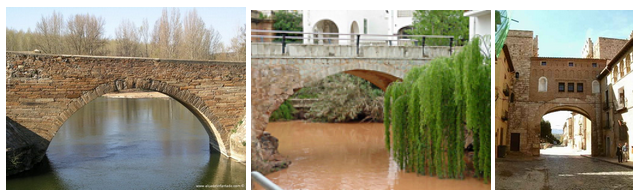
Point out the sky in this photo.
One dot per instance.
(557, 119)
(224, 20)
(564, 33)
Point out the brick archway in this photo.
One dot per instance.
(565, 104)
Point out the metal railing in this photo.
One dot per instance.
(264, 181)
(358, 38)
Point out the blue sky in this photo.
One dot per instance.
(224, 20)
(563, 33)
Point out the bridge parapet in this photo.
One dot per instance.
(260, 49)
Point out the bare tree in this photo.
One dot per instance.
(167, 34)
(238, 45)
(199, 42)
(144, 36)
(127, 39)
(49, 30)
(85, 34)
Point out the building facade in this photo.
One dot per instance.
(548, 84)
(379, 22)
(617, 100)
(577, 132)
(504, 78)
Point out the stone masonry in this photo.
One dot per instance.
(542, 87)
(44, 90)
(276, 76)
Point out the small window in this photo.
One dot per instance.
(570, 87)
(580, 87)
(570, 64)
(594, 65)
(561, 87)
(543, 63)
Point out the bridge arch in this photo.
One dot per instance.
(194, 104)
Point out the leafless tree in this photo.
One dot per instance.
(50, 31)
(199, 42)
(85, 34)
(238, 45)
(127, 39)
(144, 36)
(167, 34)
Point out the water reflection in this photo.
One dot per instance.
(116, 143)
(346, 156)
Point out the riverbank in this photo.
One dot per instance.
(138, 94)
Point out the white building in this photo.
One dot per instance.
(479, 22)
(378, 22)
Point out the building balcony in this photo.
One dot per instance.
(505, 91)
(605, 105)
(505, 116)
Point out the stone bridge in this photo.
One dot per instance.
(277, 75)
(43, 91)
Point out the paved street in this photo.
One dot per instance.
(560, 168)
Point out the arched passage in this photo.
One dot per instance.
(217, 137)
(325, 26)
(573, 105)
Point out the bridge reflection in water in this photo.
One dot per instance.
(347, 156)
(114, 143)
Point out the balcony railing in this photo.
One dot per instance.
(505, 116)
(605, 105)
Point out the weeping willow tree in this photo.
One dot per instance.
(425, 115)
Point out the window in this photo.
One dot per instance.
(512, 98)
(561, 87)
(580, 87)
(622, 101)
(543, 63)
(366, 26)
(570, 64)
(570, 87)
(595, 87)
(594, 65)
(542, 84)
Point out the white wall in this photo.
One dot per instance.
(384, 22)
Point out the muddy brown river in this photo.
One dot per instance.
(347, 156)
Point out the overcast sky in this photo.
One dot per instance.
(563, 33)
(224, 20)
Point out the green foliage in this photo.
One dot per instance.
(545, 132)
(440, 22)
(287, 21)
(284, 112)
(343, 98)
(427, 112)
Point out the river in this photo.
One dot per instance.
(142, 143)
(347, 156)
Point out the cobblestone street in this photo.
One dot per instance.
(560, 168)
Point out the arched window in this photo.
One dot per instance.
(542, 84)
(595, 87)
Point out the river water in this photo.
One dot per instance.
(143, 143)
(347, 156)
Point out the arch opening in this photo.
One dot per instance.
(566, 130)
(325, 26)
(190, 101)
